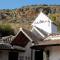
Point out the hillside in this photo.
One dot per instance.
(23, 17)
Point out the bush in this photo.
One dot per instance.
(6, 29)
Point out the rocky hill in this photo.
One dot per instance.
(23, 17)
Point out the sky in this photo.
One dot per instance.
(12, 4)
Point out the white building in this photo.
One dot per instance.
(49, 47)
(9, 51)
(44, 23)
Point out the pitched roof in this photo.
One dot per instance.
(54, 36)
(50, 40)
(49, 43)
(23, 37)
(32, 36)
(46, 43)
(7, 46)
(20, 40)
(42, 31)
(40, 17)
(6, 39)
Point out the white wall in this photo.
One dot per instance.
(3, 55)
(46, 26)
(54, 53)
(27, 54)
(54, 28)
(21, 56)
(44, 22)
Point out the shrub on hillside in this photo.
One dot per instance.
(6, 30)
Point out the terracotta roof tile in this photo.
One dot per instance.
(6, 39)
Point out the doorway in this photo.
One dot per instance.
(38, 55)
(13, 55)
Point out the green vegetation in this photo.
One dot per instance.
(56, 19)
(6, 30)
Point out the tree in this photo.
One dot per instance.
(6, 30)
